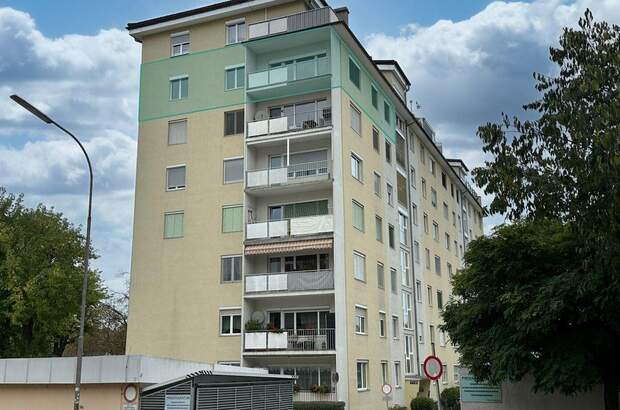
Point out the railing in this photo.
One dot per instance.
(293, 72)
(305, 395)
(289, 281)
(293, 22)
(303, 120)
(308, 340)
(309, 171)
(307, 225)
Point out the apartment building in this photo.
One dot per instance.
(287, 203)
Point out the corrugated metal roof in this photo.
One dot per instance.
(293, 246)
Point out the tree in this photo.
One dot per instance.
(41, 255)
(562, 166)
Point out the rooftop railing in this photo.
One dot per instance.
(293, 22)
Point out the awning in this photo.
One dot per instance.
(284, 247)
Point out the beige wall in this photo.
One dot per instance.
(211, 34)
(60, 397)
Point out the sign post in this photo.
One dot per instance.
(387, 390)
(433, 369)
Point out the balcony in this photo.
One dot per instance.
(309, 225)
(307, 395)
(282, 282)
(296, 121)
(291, 23)
(300, 340)
(309, 172)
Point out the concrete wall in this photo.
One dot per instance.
(60, 397)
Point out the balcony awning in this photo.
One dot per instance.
(285, 247)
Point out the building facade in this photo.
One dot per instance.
(291, 213)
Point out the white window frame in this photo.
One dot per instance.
(236, 85)
(183, 50)
(362, 368)
(360, 257)
(395, 327)
(382, 324)
(358, 116)
(182, 226)
(390, 193)
(360, 207)
(178, 78)
(236, 24)
(361, 322)
(234, 181)
(397, 375)
(179, 121)
(232, 272)
(231, 316)
(357, 167)
(377, 183)
(179, 187)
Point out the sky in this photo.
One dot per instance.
(468, 61)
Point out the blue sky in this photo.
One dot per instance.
(468, 61)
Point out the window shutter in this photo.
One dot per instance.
(177, 132)
(176, 177)
(232, 219)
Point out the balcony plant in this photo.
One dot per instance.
(273, 328)
(296, 388)
(253, 326)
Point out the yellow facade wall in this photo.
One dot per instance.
(60, 397)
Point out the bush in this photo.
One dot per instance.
(450, 399)
(252, 325)
(398, 407)
(423, 403)
(318, 405)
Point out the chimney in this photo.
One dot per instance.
(343, 14)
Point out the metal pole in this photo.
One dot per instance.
(437, 381)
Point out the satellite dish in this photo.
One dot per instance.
(258, 316)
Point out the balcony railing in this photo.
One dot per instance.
(297, 173)
(289, 281)
(305, 395)
(299, 70)
(302, 120)
(294, 22)
(308, 225)
(307, 340)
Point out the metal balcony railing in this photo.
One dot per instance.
(299, 70)
(293, 22)
(308, 340)
(297, 173)
(299, 120)
(307, 225)
(305, 395)
(289, 281)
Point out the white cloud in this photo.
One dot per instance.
(89, 84)
(465, 73)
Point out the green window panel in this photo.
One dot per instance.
(232, 219)
(358, 216)
(173, 225)
(303, 209)
(354, 73)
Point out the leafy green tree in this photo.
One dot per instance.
(41, 255)
(556, 316)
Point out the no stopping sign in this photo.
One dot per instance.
(433, 368)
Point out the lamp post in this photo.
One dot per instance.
(80, 351)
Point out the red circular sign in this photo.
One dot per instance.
(433, 368)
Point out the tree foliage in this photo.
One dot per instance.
(543, 296)
(41, 256)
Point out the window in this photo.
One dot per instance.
(375, 140)
(432, 166)
(381, 324)
(377, 183)
(177, 132)
(447, 241)
(422, 154)
(453, 218)
(404, 268)
(412, 177)
(425, 223)
(360, 320)
(386, 113)
(374, 96)
(442, 338)
(450, 273)
(427, 258)
(231, 268)
(456, 374)
(390, 194)
(446, 211)
(403, 226)
(384, 372)
(175, 178)
(233, 170)
(179, 88)
(416, 251)
(388, 152)
(362, 375)
(414, 214)
(456, 248)
(435, 231)
(397, 374)
(439, 300)
(379, 228)
(356, 167)
(409, 354)
(395, 327)
(356, 119)
(401, 189)
(429, 295)
(230, 322)
(407, 315)
(354, 73)
(444, 180)
(444, 375)
(173, 225)
(358, 216)
(433, 197)
(179, 44)
(423, 188)
(380, 276)
(431, 333)
(401, 151)
(420, 332)
(235, 32)
(418, 290)
(232, 218)
(359, 266)
(234, 122)
(391, 235)
(437, 265)
(393, 281)
(235, 78)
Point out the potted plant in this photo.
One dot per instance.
(296, 388)
(253, 326)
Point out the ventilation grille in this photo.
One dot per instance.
(262, 397)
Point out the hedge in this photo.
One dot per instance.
(423, 403)
(318, 405)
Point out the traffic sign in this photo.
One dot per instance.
(386, 389)
(433, 368)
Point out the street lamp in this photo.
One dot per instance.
(80, 350)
